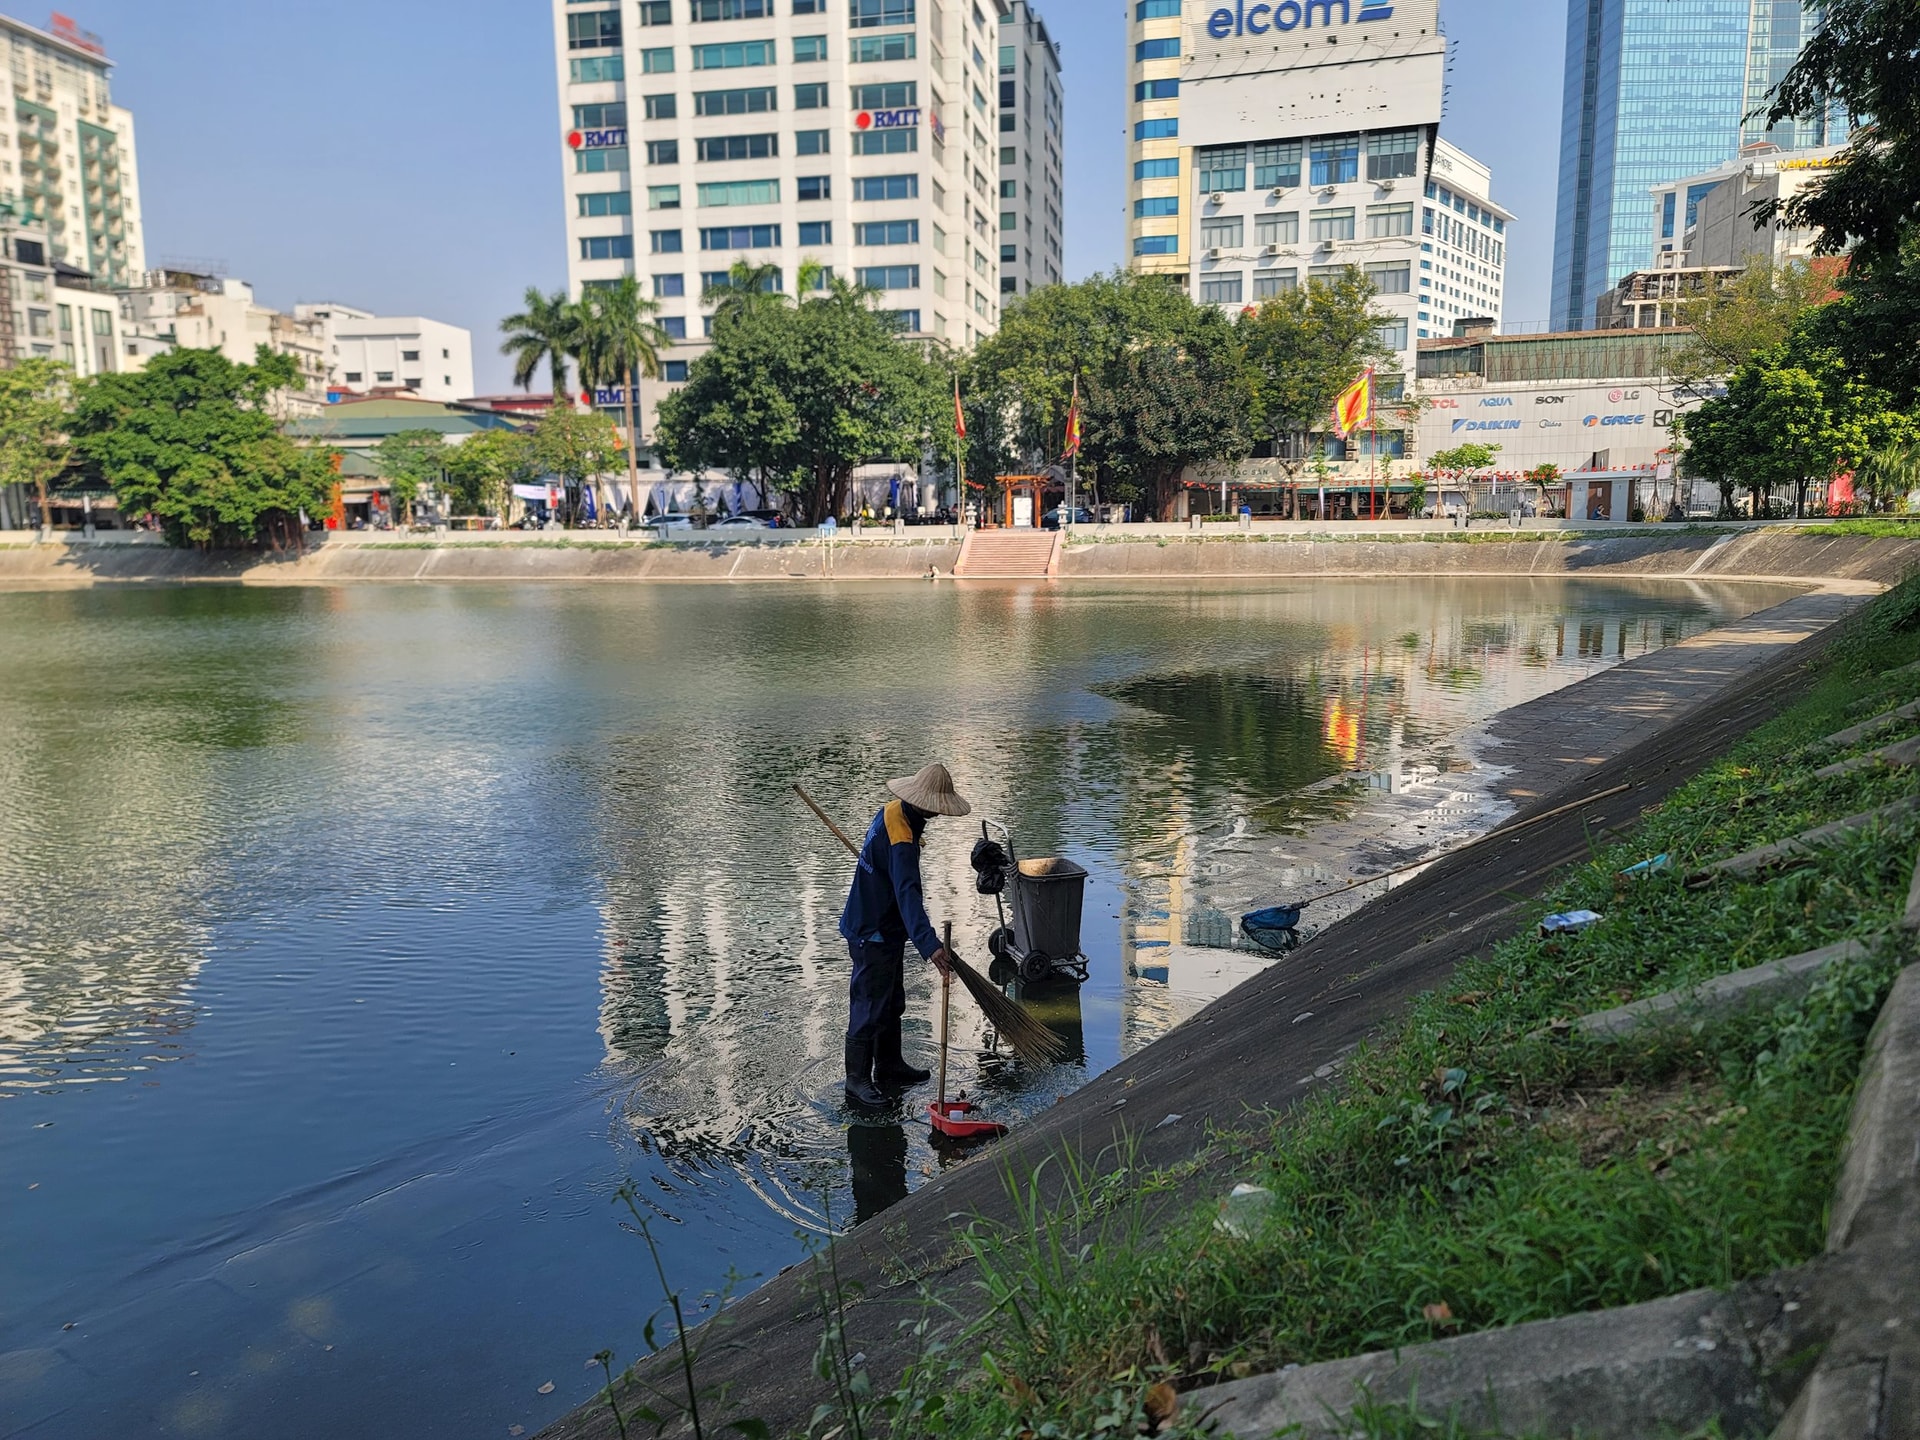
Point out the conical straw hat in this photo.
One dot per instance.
(931, 790)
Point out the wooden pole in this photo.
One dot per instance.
(838, 833)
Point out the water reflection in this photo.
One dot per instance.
(466, 904)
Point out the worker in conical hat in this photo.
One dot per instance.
(884, 910)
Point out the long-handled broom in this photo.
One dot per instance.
(1031, 1041)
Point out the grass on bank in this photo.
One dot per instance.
(1462, 1175)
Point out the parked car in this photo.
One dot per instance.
(738, 522)
(675, 520)
(1051, 520)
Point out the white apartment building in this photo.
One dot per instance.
(1707, 219)
(1032, 134)
(69, 194)
(1156, 240)
(177, 309)
(1309, 142)
(859, 134)
(366, 352)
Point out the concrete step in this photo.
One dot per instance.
(1008, 554)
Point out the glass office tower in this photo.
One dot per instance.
(1657, 89)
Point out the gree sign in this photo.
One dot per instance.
(1245, 19)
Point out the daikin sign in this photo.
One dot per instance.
(1244, 19)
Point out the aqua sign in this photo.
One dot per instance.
(1246, 19)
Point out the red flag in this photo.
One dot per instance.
(1073, 420)
(959, 415)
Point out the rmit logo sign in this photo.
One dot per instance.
(886, 119)
(596, 139)
(1244, 19)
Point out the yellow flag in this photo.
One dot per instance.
(1355, 405)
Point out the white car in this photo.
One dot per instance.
(675, 521)
(738, 522)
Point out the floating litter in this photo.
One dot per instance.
(1569, 922)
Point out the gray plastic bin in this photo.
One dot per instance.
(1047, 896)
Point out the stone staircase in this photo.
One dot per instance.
(1015, 554)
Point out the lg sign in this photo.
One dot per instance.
(1246, 19)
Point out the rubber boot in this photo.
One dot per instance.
(889, 1066)
(861, 1091)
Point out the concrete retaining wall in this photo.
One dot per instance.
(1805, 553)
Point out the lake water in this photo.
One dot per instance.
(359, 943)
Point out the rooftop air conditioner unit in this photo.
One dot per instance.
(1271, 250)
(1276, 192)
(1217, 197)
(1213, 253)
(1386, 184)
(1327, 192)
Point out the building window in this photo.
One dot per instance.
(1154, 206)
(1336, 159)
(895, 95)
(674, 372)
(1391, 277)
(1222, 167)
(595, 30)
(734, 102)
(703, 10)
(662, 107)
(598, 162)
(1276, 165)
(1330, 225)
(600, 117)
(740, 237)
(1156, 169)
(1156, 129)
(709, 148)
(1268, 283)
(1157, 90)
(886, 187)
(657, 62)
(896, 46)
(885, 142)
(1157, 10)
(1221, 289)
(386, 375)
(1226, 232)
(810, 142)
(809, 47)
(715, 281)
(872, 14)
(816, 232)
(606, 247)
(669, 287)
(412, 356)
(735, 55)
(887, 232)
(1392, 334)
(1426, 219)
(1669, 203)
(1168, 49)
(606, 202)
(674, 327)
(812, 96)
(1326, 274)
(666, 242)
(740, 192)
(663, 152)
(353, 376)
(814, 187)
(1009, 254)
(593, 69)
(888, 277)
(809, 7)
(1384, 222)
(656, 12)
(1280, 228)
(663, 197)
(1156, 245)
(1393, 155)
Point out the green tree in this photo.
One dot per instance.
(1861, 60)
(1544, 475)
(575, 445)
(1304, 347)
(34, 446)
(482, 470)
(1462, 459)
(1758, 310)
(619, 342)
(747, 288)
(546, 333)
(1873, 324)
(190, 438)
(409, 459)
(1168, 405)
(1887, 475)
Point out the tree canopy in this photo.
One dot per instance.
(34, 447)
(546, 333)
(1305, 346)
(408, 460)
(190, 438)
(482, 470)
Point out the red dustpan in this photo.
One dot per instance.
(956, 1118)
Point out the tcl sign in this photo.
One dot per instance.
(887, 119)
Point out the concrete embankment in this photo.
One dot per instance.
(1808, 553)
(1277, 1038)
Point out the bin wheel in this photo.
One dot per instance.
(1035, 966)
(999, 941)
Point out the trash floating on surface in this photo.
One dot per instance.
(1243, 1212)
(1646, 867)
(1569, 922)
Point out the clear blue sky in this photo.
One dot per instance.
(405, 155)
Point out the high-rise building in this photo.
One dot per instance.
(860, 135)
(1309, 138)
(1657, 89)
(1155, 238)
(1032, 132)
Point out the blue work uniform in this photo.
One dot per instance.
(885, 910)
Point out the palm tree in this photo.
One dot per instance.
(546, 332)
(1888, 475)
(617, 342)
(748, 288)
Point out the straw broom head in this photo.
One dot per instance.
(1031, 1041)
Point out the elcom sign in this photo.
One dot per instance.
(887, 119)
(1244, 19)
(597, 139)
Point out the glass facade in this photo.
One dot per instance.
(1656, 89)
